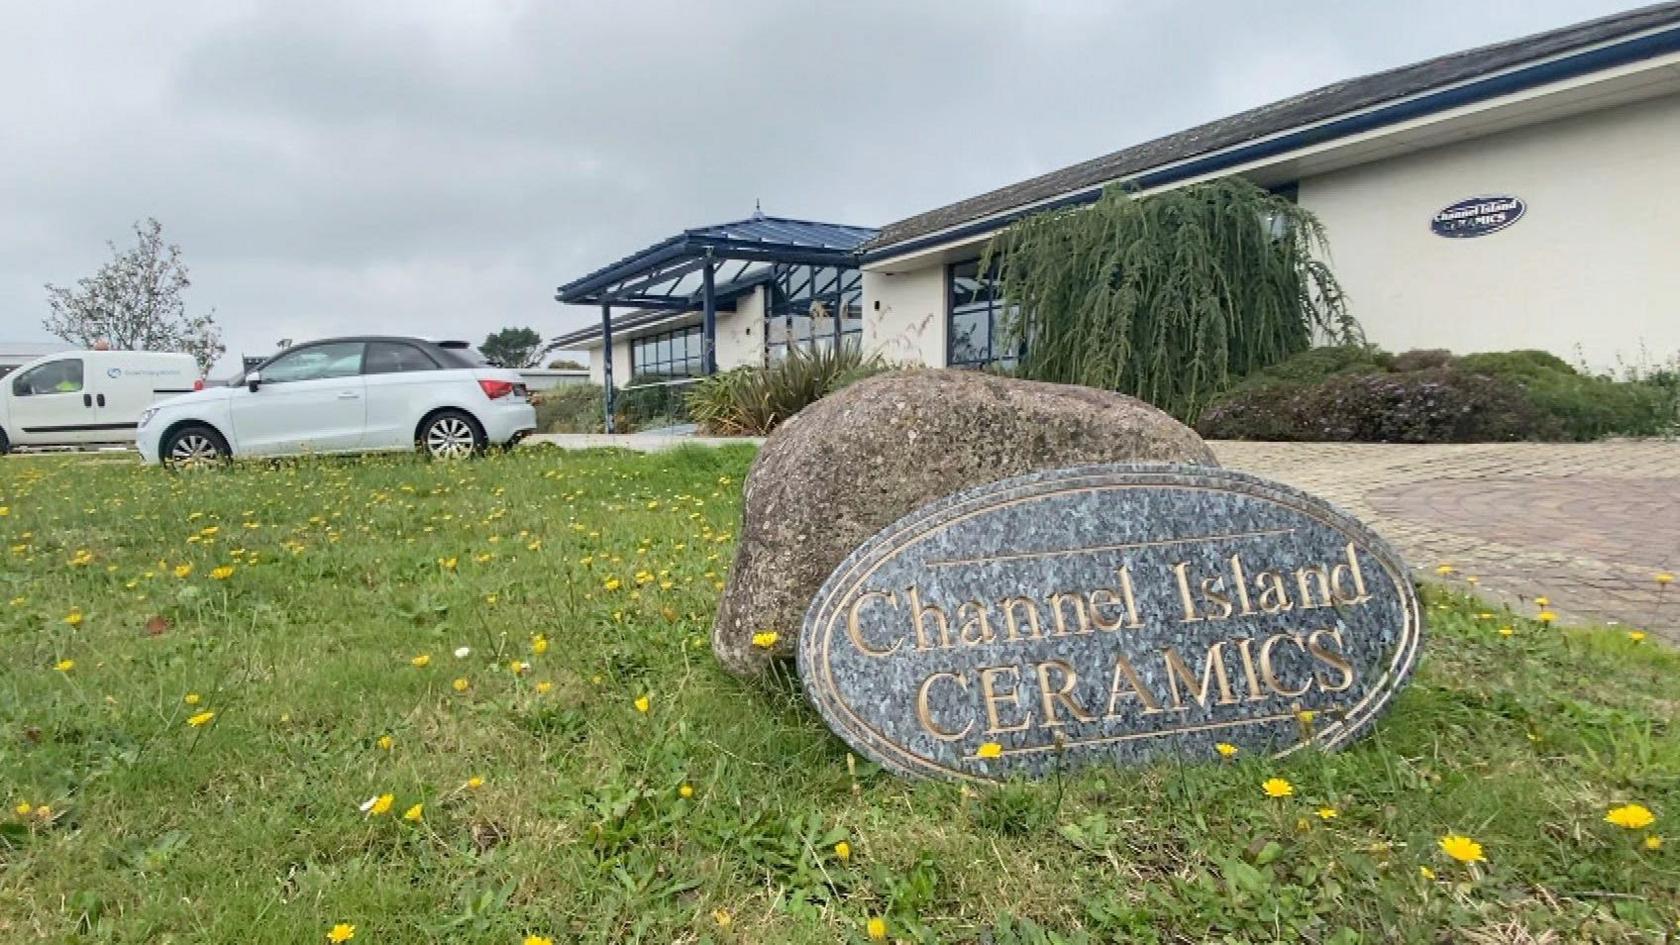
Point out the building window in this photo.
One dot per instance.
(978, 331)
(805, 306)
(666, 355)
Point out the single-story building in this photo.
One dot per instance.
(1520, 195)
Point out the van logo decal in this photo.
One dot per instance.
(113, 373)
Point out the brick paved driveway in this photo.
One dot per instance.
(1586, 524)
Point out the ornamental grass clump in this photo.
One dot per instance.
(1172, 297)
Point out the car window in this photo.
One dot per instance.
(55, 377)
(394, 357)
(338, 359)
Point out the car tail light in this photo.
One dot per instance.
(198, 384)
(495, 389)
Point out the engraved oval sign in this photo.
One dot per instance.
(1477, 216)
(1108, 614)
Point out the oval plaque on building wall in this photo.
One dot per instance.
(1108, 614)
(1477, 216)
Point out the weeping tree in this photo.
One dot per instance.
(1170, 297)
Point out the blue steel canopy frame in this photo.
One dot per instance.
(663, 277)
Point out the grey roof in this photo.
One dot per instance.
(757, 237)
(1328, 102)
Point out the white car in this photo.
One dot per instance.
(346, 395)
(82, 398)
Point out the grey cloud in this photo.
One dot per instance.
(440, 167)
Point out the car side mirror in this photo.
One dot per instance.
(253, 381)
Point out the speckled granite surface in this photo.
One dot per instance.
(1108, 614)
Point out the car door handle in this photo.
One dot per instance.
(348, 395)
(101, 400)
(87, 400)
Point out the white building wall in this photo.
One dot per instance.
(904, 315)
(740, 334)
(620, 364)
(1591, 271)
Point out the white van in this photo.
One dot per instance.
(80, 397)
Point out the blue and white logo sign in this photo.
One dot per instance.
(1477, 216)
(113, 373)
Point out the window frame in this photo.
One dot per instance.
(995, 309)
(302, 349)
(656, 355)
(426, 356)
(20, 377)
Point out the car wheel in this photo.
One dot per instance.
(5, 443)
(450, 434)
(194, 446)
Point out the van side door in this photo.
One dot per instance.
(51, 405)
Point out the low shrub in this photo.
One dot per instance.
(1319, 364)
(752, 401)
(573, 408)
(1364, 394)
(1589, 406)
(576, 408)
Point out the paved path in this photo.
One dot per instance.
(1588, 525)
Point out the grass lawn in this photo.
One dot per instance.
(584, 771)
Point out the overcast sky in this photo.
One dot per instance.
(438, 168)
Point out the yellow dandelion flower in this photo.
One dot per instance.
(1653, 842)
(877, 929)
(421, 661)
(766, 639)
(340, 933)
(1226, 749)
(221, 573)
(613, 584)
(1426, 873)
(73, 618)
(378, 804)
(643, 704)
(1306, 716)
(1462, 849)
(386, 743)
(201, 719)
(722, 917)
(1630, 817)
(989, 750)
(1542, 602)
(1637, 636)
(64, 666)
(413, 814)
(461, 684)
(23, 809)
(843, 851)
(538, 940)
(1507, 631)
(183, 570)
(686, 791)
(1545, 616)
(1444, 569)
(192, 698)
(1277, 787)
(475, 782)
(544, 687)
(539, 644)
(1664, 577)
(518, 667)
(1327, 813)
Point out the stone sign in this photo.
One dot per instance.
(1108, 614)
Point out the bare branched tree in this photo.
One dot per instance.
(134, 303)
